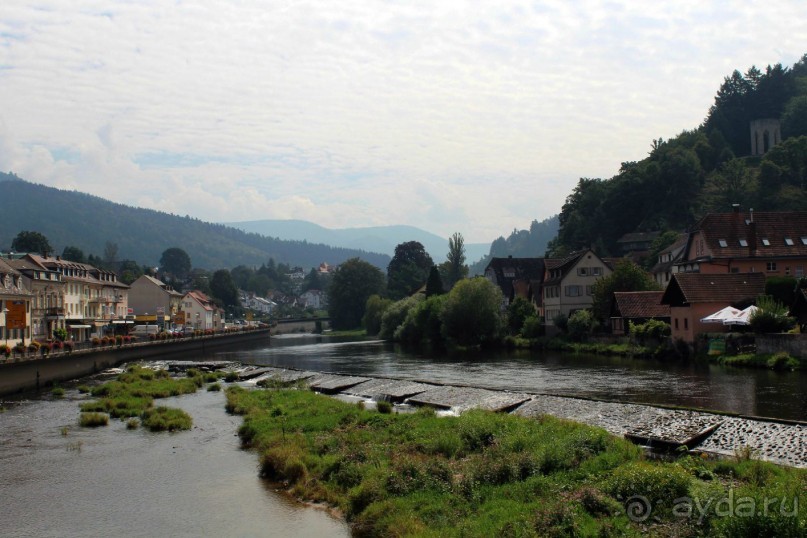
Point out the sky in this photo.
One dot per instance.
(475, 117)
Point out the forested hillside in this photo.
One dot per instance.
(70, 218)
(703, 170)
(530, 243)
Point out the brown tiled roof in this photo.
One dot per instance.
(641, 304)
(774, 227)
(525, 269)
(725, 288)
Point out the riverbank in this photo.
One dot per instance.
(487, 474)
(36, 372)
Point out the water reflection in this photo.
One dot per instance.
(745, 391)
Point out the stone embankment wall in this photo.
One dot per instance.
(794, 345)
(18, 376)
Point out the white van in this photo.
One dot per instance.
(145, 330)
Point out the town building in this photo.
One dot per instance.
(15, 306)
(694, 296)
(93, 298)
(200, 312)
(149, 296)
(568, 283)
(47, 304)
(668, 260)
(773, 243)
(517, 277)
(636, 307)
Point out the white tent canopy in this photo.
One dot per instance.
(721, 315)
(743, 318)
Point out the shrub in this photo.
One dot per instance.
(655, 484)
(394, 316)
(771, 317)
(34, 347)
(119, 340)
(231, 377)
(561, 322)
(132, 424)
(166, 419)
(68, 346)
(96, 341)
(44, 349)
(57, 392)
(533, 327)
(215, 387)
(384, 406)
(60, 334)
(471, 312)
(580, 324)
(5, 350)
(652, 329)
(92, 420)
(373, 312)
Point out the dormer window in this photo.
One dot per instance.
(766, 242)
(788, 241)
(743, 243)
(722, 243)
(804, 240)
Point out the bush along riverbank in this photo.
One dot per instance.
(486, 474)
(781, 361)
(133, 393)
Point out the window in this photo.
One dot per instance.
(596, 271)
(589, 290)
(766, 242)
(686, 323)
(743, 243)
(722, 243)
(582, 271)
(771, 266)
(787, 270)
(799, 271)
(788, 241)
(804, 240)
(676, 323)
(573, 291)
(735, 269)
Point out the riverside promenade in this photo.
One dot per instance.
(33, 372)
(778, 441)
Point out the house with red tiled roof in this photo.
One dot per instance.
(667, 259)
(568, 283)
(773, 243)
(636, 307)
(200, 312)
(693, 296)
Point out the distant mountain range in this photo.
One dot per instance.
(381, 239)
(71, 218)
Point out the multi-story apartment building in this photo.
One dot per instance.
(15, 306)
(47, 302)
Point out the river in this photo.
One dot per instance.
(746, 391)
(57, 479)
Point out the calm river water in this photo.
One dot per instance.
(114, 482)
(740, 390)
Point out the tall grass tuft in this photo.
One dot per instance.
(166, 419)
(92, 420)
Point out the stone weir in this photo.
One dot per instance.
(778, 441)
(24, 375)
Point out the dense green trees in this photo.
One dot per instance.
(27, 241)
(700, 171)
(470, 313)
(223, 289)
(74, 254)
(176, 261)
(352, 284)
(408, 269)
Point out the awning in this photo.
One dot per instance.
(121, 322)
(79, 327)
(743, 318)
(721, 315)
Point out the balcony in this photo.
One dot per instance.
(54, 313)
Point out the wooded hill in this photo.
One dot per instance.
(71, 218)
(530, 243)
(703, 170)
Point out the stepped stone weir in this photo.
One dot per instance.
(333, 383)
(281, 374)
(391, 390)
(464, 398)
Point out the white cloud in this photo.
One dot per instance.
(475, 117)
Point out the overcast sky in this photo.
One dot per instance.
(474, 117)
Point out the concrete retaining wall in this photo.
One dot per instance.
(793, 344)
(37, 373)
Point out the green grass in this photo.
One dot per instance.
(214, 387)
(158, 419)
(57, 392)
(92, 420)
(133, 393)
(485, 474)
(778, 361)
